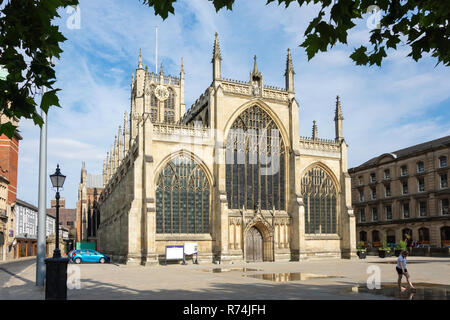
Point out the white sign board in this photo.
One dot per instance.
(174, 253)
(190, 248)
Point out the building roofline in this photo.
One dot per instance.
(404, 153)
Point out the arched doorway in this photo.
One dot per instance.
(254, 246)
(376, 239)
(424, 236)
(407, 236)
(390, 237)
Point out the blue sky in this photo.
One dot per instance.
(385, 108)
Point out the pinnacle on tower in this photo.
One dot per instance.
(289, 73)
(216, 50)
(182, 66)
(338, 117)
(126, 133)
(289, 66)
(161, 70)
(338, 112)
(314, 130)
(140, 60)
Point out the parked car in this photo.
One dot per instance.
(88, 255)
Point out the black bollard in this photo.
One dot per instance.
(56, 278)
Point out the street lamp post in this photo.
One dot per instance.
(57, 181)
(56, 267)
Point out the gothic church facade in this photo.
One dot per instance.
(231, 174)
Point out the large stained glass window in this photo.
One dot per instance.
(320, 200)
(255, 163)
(182, 198)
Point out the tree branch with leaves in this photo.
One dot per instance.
(28, 43)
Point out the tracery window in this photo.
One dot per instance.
(255, 162)
(182, 198)
(153, 106)
(169, 108)
(320, 200)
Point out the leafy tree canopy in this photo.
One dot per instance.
(28, 42)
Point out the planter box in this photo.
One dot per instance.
(361, 254)
(397, 252)
(384, 253)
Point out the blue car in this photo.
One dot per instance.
(88, 255)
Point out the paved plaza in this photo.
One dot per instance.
(311, 279)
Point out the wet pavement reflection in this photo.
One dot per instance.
(423, 291)
(289, 276)
(395, 262)
(220, 270)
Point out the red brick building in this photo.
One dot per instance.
(9, 155)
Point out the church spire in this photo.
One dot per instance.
(289, 73)
(216, 60)
(338, 117)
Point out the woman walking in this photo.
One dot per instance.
(401, 270)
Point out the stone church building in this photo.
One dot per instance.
(231, 174)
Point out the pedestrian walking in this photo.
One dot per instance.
(401, 270)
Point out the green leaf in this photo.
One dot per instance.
(359, 56)
(7, 129)
(49, 99)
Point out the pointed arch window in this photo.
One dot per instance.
(320, 200)
(153, 106)
(182, 198)
(169, 108)
(255, 162)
